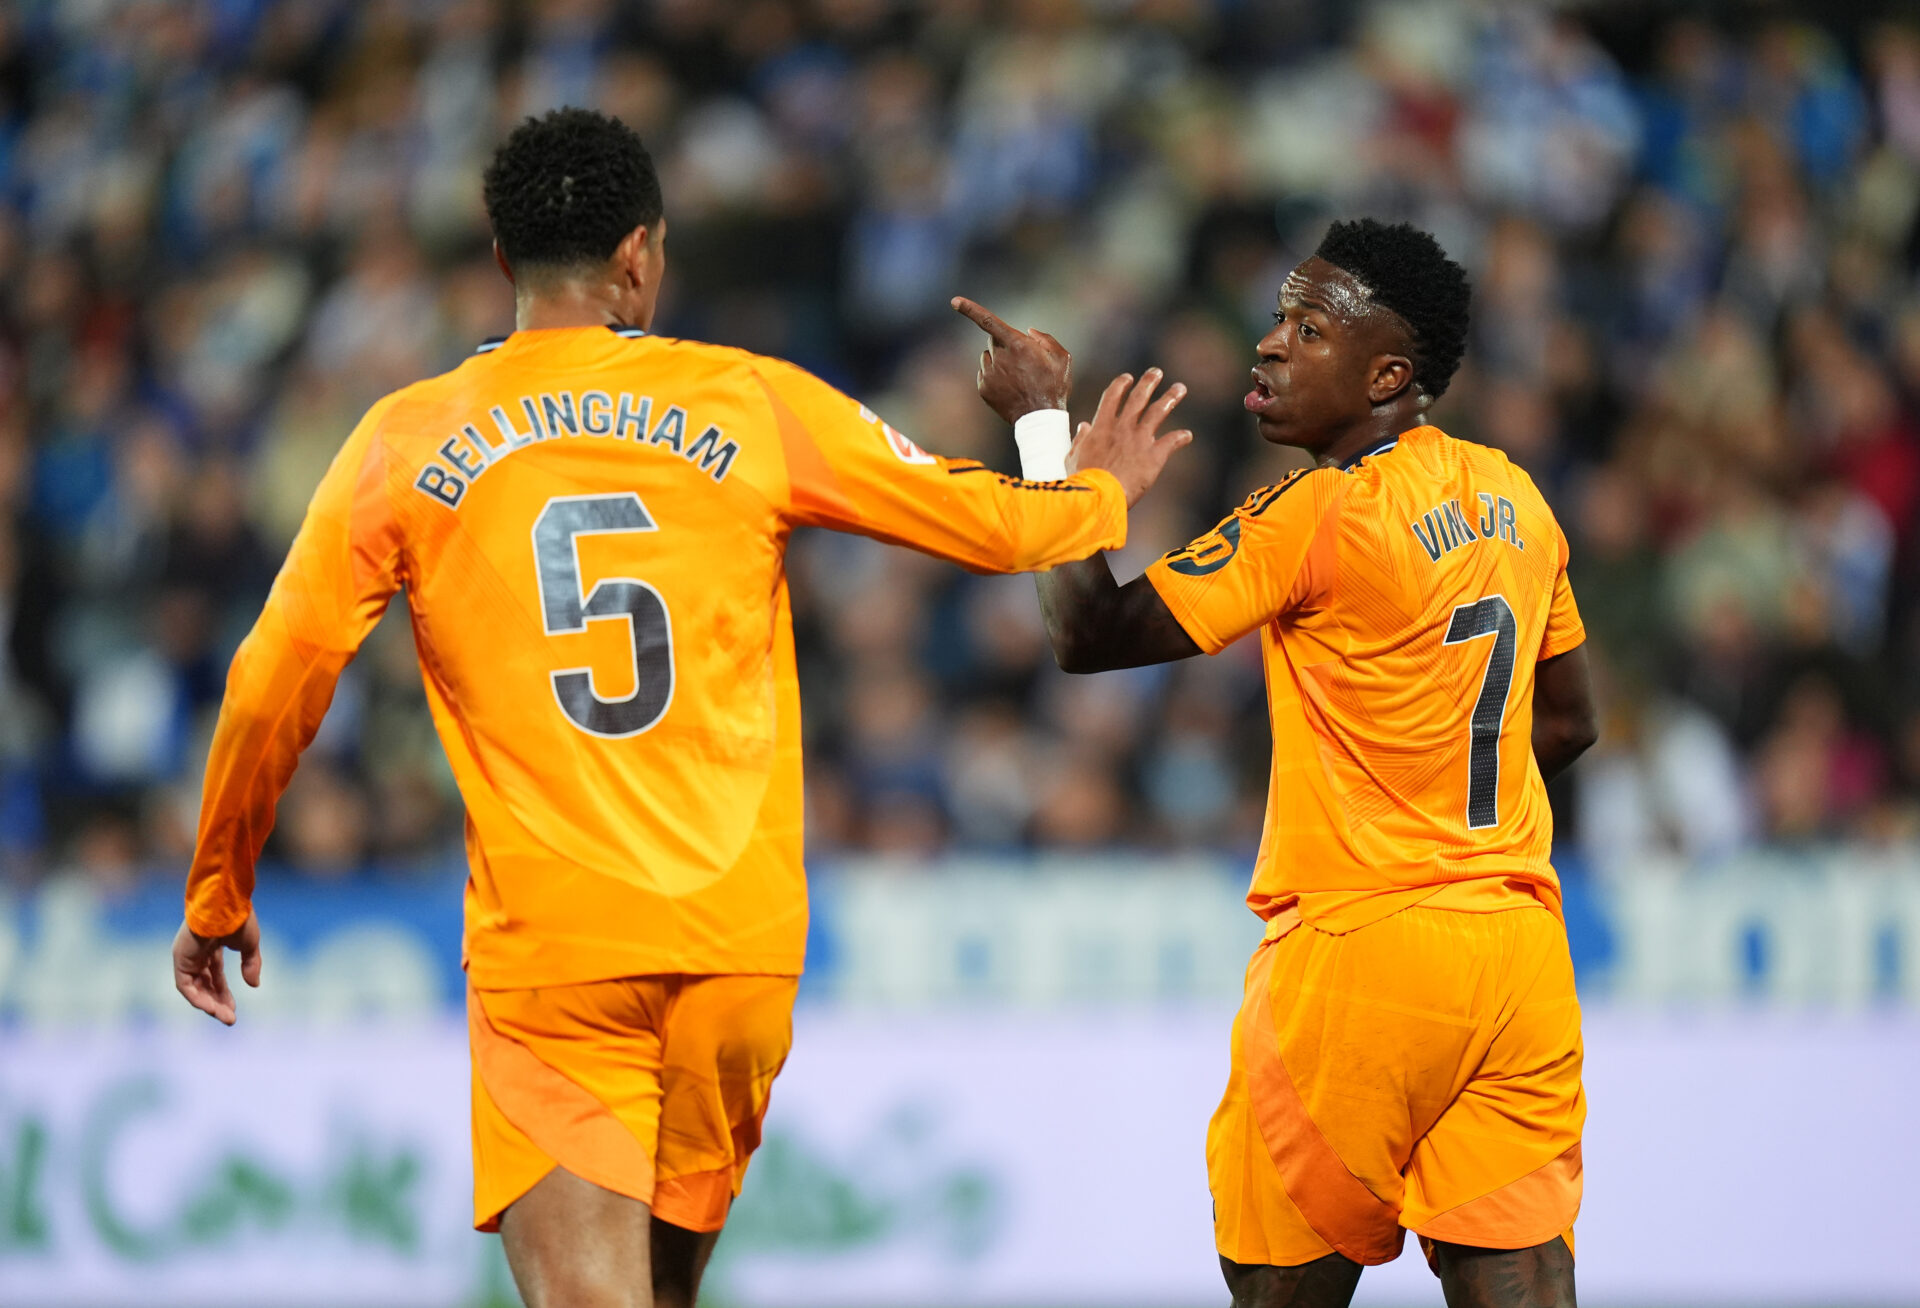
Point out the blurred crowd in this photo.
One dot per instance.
(227, 225)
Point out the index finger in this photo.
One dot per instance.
(1111, 398)
(219, 990)
(985, 320)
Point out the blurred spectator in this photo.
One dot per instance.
(1665, 779)
(225, 229)
(1815, 773)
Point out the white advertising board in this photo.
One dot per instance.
(935, 1159)
(264, 1167)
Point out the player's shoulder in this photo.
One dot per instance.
(1303, 489)
(684, 355)
(688, 361)
(1487, 460)
(387, 415)
(1428, 454)
(780, 376)
(687, 352)
(447, 384)
(783, 375)
(1459, 480)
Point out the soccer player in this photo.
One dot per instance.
(590, 523)
(1407, 1056)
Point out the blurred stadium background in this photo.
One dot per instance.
(227, 225)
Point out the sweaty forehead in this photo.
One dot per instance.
(1336, 290)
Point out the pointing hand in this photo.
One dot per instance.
(1020, 372)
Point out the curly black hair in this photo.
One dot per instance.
(565, 189)
(1408, 272)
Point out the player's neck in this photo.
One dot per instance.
(1357, 440)
(569, 304)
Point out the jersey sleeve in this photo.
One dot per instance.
(848, 470)
(339, 575)
(1257, 565)
(1565, 631)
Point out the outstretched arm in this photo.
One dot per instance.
(848, 470)
(1564, 722)
(1094, 623)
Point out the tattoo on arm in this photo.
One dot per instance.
(1096, 624)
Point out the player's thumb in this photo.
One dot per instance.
(250, 958)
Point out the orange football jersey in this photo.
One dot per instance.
(591, 528)
(1402, 603)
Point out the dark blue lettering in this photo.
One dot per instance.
(442, 485)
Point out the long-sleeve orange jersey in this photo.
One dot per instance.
(591, 528)
(1402, 604)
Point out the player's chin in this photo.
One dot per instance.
(1275, 429)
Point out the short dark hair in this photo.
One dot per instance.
(567, 187)
(1408, 272)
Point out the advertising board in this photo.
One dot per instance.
(998, 1096)
(939, 1159)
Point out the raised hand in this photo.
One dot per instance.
(200, 969)
(1020, 372)
(1124, 438)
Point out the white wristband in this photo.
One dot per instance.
(1044, 437)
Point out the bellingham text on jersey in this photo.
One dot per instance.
(470, 452)
(1446, 526)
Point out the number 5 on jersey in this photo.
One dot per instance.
(566, 611)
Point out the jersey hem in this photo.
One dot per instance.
(201, 924)
(1341, 911)
(1554, 649)
(1104, 482)
(1201, 637)
(613, 964)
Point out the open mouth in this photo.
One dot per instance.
(1261, 398)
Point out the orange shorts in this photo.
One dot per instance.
(1420, 1073)
(652, 1087)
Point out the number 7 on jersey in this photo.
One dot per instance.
(1491, 616)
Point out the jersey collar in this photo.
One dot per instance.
(493, 343)
(1381, 448)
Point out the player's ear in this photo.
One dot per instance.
(639, 252)
(1392, 374)
(500, 257)
(629, 258)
